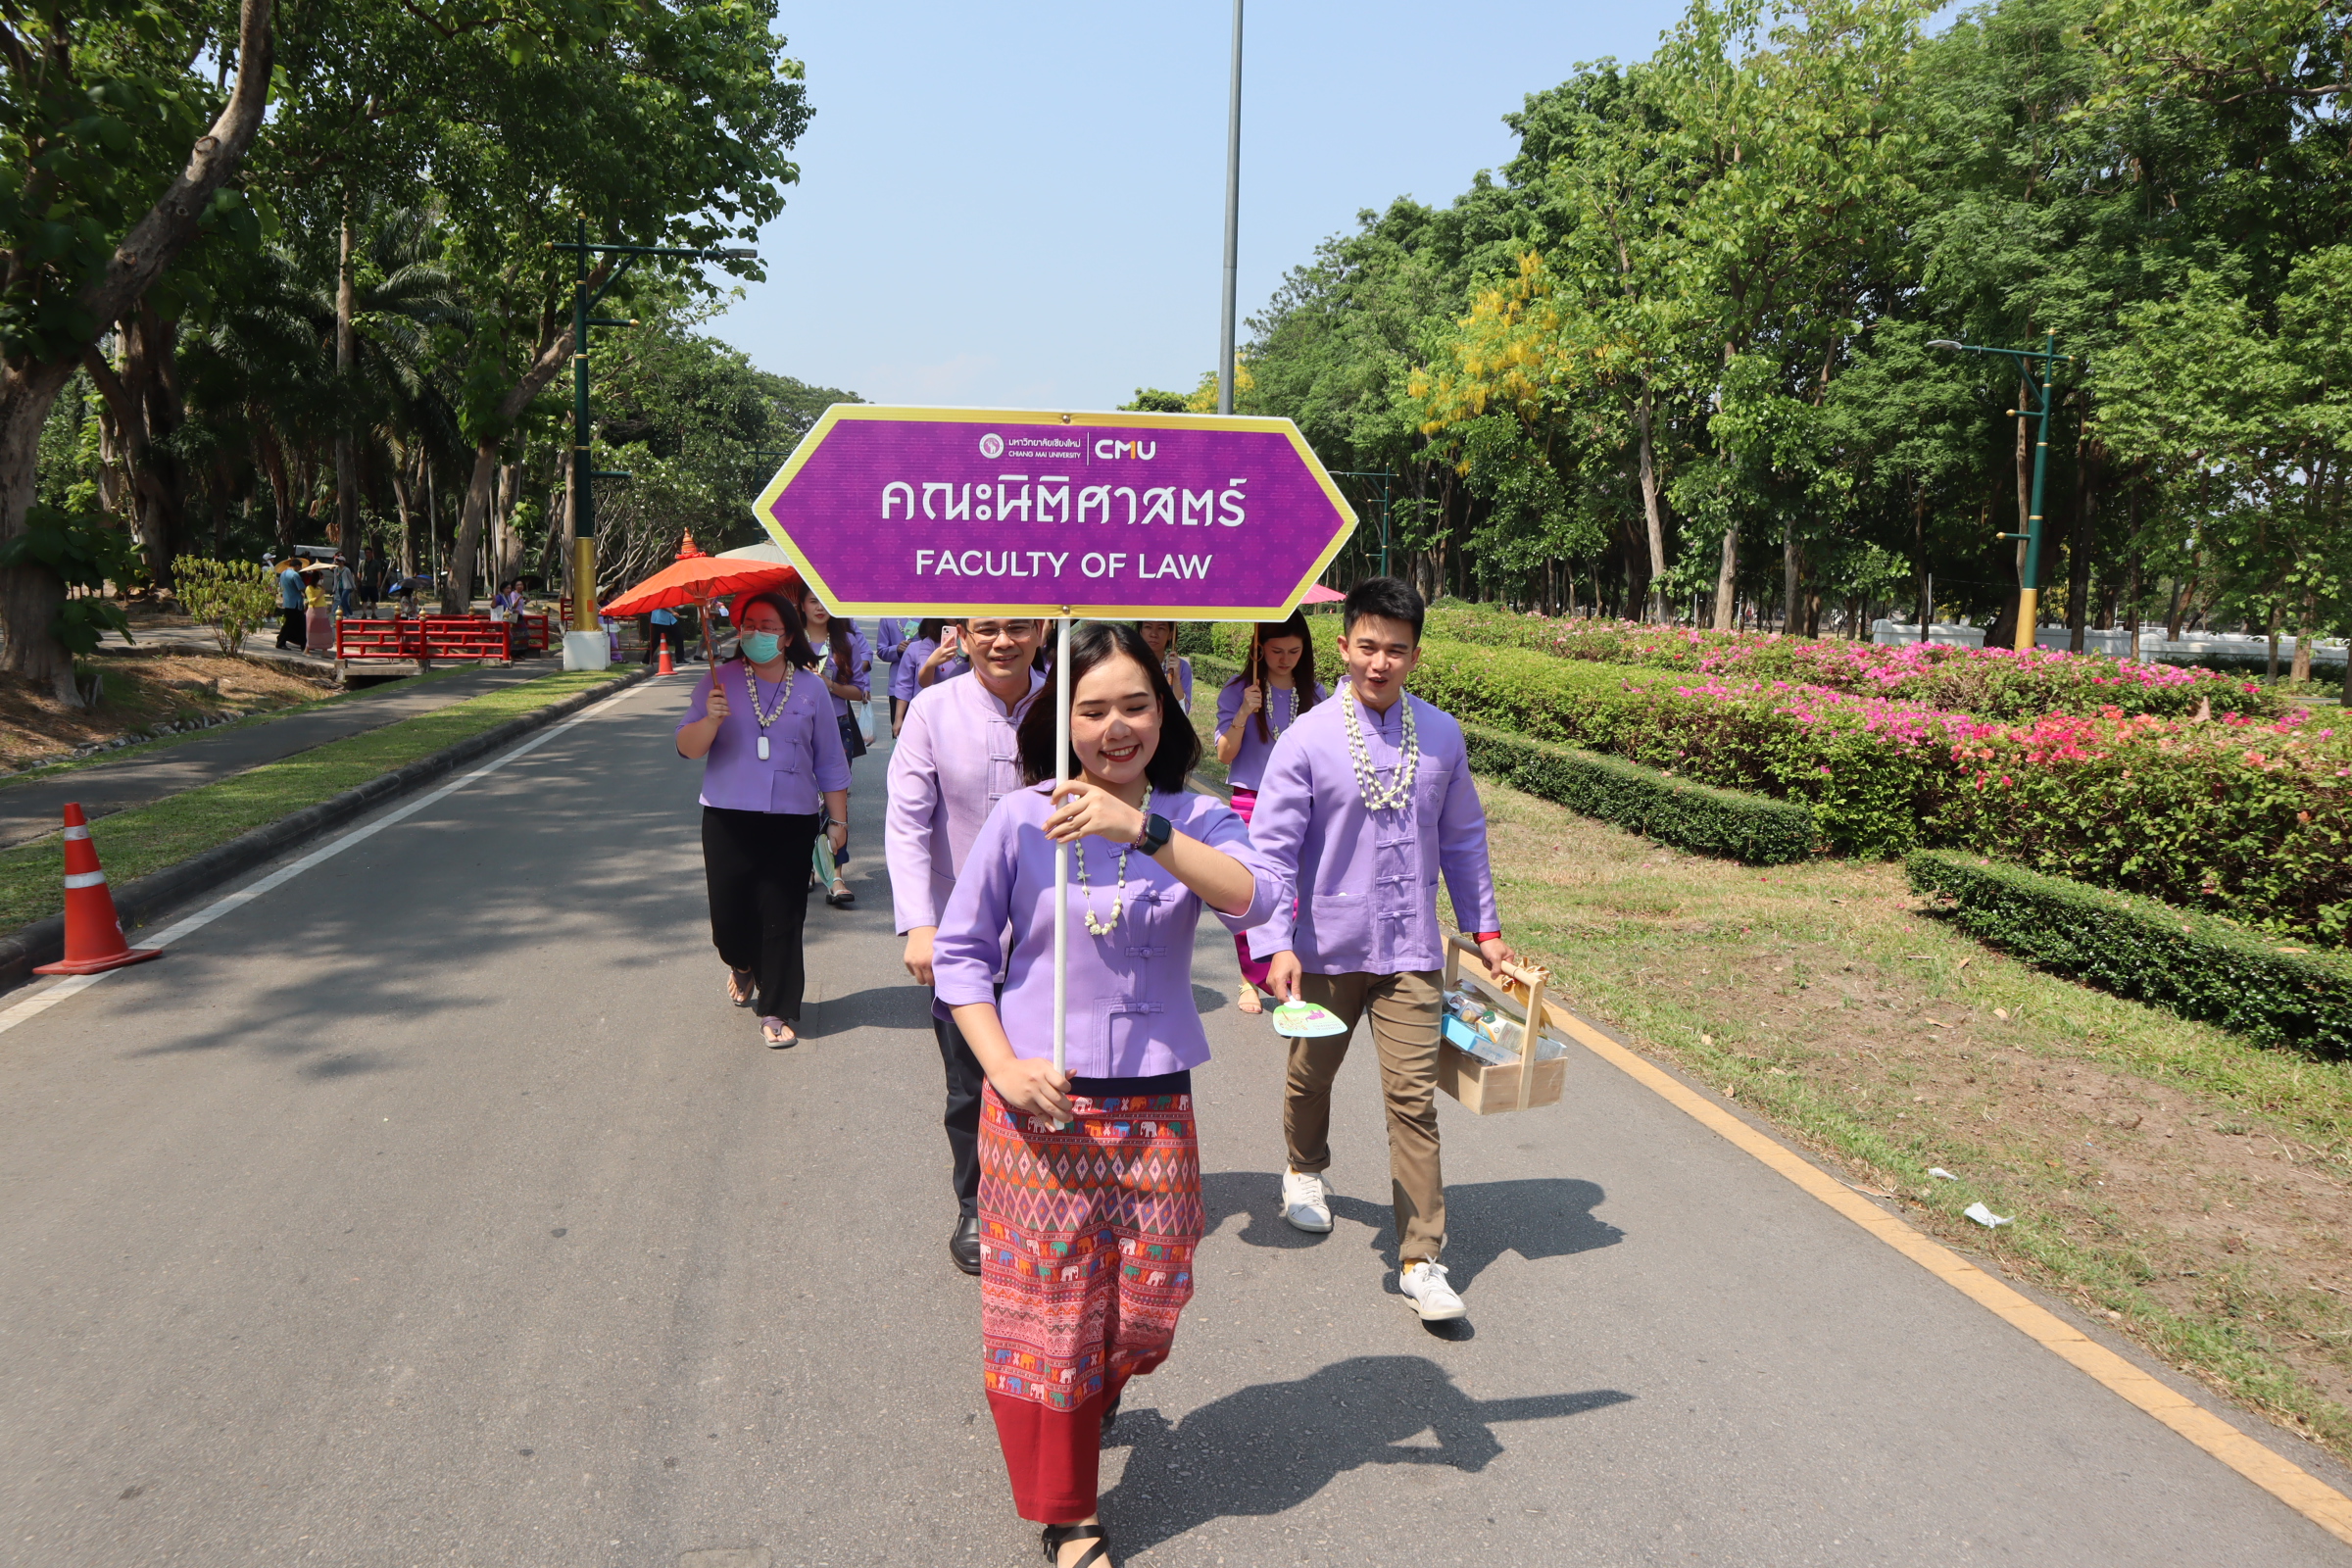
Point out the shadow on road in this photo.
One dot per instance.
(1537, 1218)
(1267, 1448)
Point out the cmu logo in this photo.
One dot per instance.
(992, 445)
(1110, 450)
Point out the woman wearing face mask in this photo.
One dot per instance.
(847, 671)
(1085, 1269)
(765, 728)
(1161, 637)
(1254, 708)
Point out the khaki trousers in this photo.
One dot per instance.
(1405, 1010)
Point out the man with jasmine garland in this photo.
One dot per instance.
(1368, 799)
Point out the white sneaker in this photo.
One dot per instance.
(1304, 1202)
(1425, 1288)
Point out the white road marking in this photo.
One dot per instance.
(41, 1002)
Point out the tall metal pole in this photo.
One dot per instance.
(1233, 219)
(1062, 852)
(2029, 591)
(583, 483)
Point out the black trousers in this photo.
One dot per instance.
(962, 1119)
(655, 631)
(755, 865)
(293, 628)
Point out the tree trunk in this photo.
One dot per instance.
(1727, 581)
(30, 595)
(2272, 630)
(2078, 547)
(2131, 605)
(2302, 665)
(399, 504)
(1652, 511)
(1792, 570)
(1919, 554)
(347, 454)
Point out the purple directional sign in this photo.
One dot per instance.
(966, 512)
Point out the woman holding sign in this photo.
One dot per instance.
(763, 723)
(1089, 1178)
(1254, 708)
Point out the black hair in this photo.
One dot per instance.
(1303, 691)
(796, 634)
(1387, 598)
(931, 628)
(837, 638)
(1098, 642)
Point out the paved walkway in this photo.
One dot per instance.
(437, 1208)
(35, 806)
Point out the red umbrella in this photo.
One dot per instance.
(1320, 595)
(695, 579)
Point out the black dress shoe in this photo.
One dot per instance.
(965, 1245)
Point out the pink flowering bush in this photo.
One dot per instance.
(1988, 683)
(2249, 816)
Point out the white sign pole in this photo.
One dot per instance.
(1062, 852)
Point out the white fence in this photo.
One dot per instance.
(2235, 648)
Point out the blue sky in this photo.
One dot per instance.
(1023, 205)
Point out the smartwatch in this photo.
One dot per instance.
(1155, 835)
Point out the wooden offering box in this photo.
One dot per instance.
(1485, 1088)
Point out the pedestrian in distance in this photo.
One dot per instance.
(372, 577)
(1090, 1177)
(905, 675)
(1161, 637)
(662, 623)
(772, 758)
(957, 755)
(845, 667)
(1366, 801)
(1253, 710)
(891, 633)
(344, 585)
(290, 618)
(944, 662)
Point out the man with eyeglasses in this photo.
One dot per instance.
(957, 756)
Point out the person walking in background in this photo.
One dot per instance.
(372, 577)
(344, 586)
(904, 683)
(958, 753)
(662, 623)
(1253, 710)
(1089, 1178)
(846, 669)
(891, 636)
(1365, 803)
(291, 631)
(771, 759)
(1161, 637)
(944, 662)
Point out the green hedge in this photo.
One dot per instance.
(2197, 966)
(1643, 800)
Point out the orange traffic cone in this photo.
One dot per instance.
(666, 668)
(94, 933)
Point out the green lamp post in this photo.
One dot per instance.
(2028, 576)
(584, 472)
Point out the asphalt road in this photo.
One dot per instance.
(435, 1207)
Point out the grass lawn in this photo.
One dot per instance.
(148, 838)
(2192, 1188)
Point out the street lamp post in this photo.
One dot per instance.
(584, 472)
(2028, 574)
(1233, 219)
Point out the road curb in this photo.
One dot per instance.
(139, 903)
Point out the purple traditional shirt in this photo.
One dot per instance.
(805, 757)
(890, 639)
(1249, 762)
(957, 755)
(904, 681)
(1131, 1007)
(861, 665)
(1367, 880)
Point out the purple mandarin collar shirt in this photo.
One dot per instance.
(957, 755)
(1250, 763)
(1131, 1007)
(1367, 881)
(805, 757)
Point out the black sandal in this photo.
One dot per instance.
(1059, 1536)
